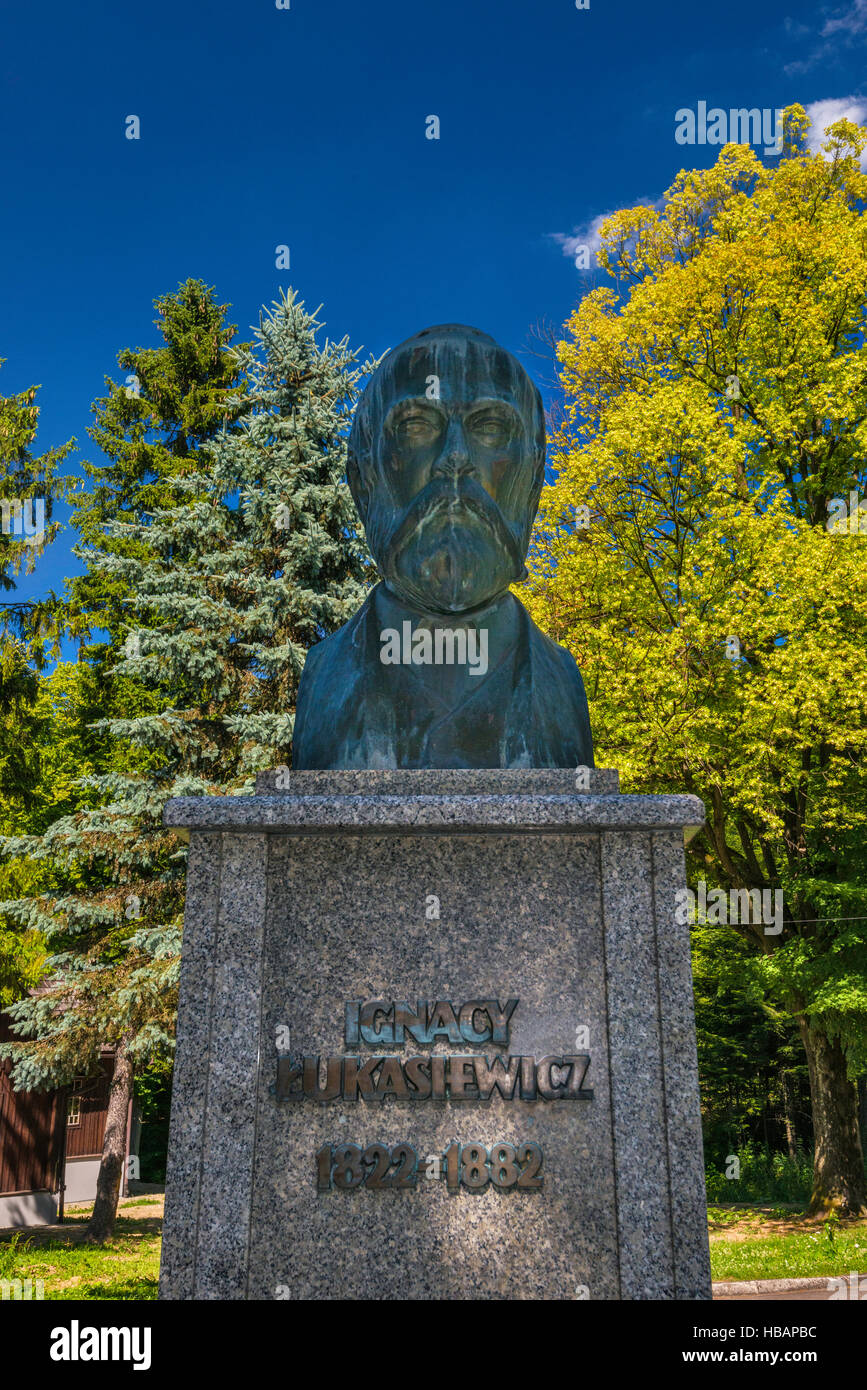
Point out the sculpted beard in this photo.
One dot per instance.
(452, 550)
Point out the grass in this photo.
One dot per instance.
(746, 1242)
(781, 1242)
(127, 1267)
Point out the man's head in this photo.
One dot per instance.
(446, 465)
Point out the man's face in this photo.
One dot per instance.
(459, 461)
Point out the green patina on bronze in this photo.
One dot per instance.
(446, 466)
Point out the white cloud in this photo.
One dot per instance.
(588, 233)
(824, 113)
(852, 21)
(844, 28)
(585, 234)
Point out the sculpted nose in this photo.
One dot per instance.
(455, 458)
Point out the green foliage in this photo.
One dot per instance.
(23, 626)
(21, 954)
(104, 892)
(257, 558)
(717, 405)
(751, 1063)
(153, 1093)
(152, 428)
(214, 561)
(23, 478)
(765, 1176)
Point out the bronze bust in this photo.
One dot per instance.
(442, 666)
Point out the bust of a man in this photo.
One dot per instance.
(442, 666)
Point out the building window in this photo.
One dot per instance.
(80, 1086)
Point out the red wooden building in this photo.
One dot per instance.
(50, 1143)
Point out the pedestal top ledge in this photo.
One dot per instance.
(429, 800)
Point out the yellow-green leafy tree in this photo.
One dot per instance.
(700, 554)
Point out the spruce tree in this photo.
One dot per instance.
(256, 557)
(109, 978)
(261, 561)
(152, 427)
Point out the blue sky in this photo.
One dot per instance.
(306, 127)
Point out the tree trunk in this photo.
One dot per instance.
(787, 1087)
(838, 1159)
(101, 1224)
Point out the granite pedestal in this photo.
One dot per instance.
(436, 886)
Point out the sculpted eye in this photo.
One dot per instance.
(491, 428)
(419, 427)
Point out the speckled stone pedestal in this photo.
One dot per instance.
(303, 898)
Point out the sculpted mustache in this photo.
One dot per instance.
(440, 496)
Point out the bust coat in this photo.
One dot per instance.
(528, 710)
